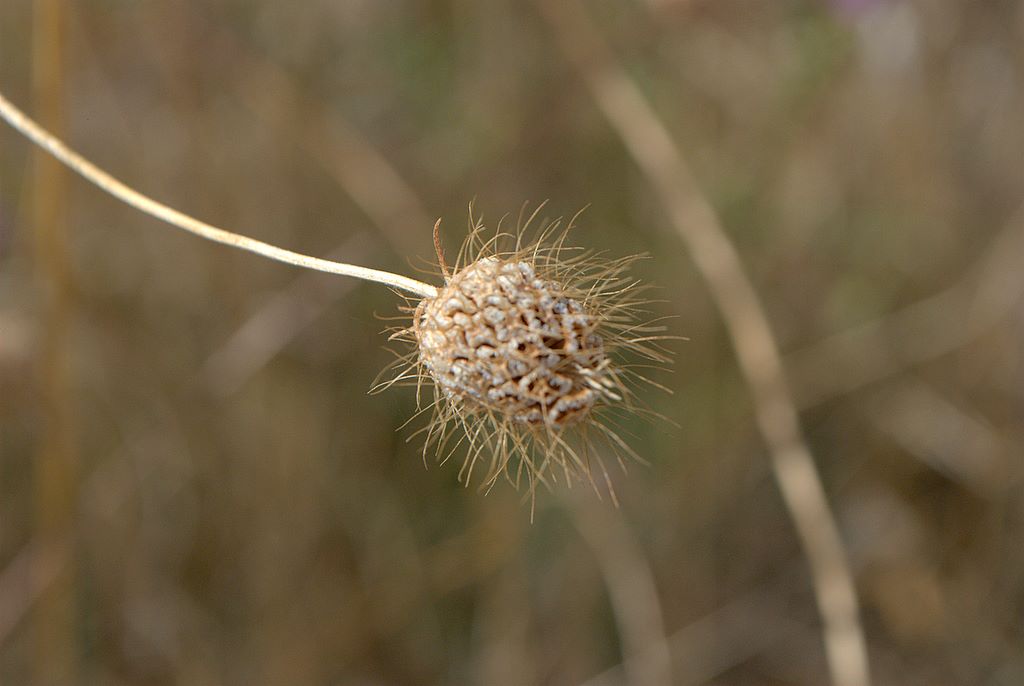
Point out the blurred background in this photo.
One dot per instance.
(195, 487)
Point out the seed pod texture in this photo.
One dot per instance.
(530, 349)
(500, 336)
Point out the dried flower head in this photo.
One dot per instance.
(525, 345)
(528, 349)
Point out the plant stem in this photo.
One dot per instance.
(55, 469)
(660, 159)
(44, 139)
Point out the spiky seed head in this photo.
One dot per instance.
(500, 337)
(526, 348)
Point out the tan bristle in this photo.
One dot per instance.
(499, 337)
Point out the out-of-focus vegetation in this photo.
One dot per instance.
(206, 495)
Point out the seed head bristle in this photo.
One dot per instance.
(527, 348)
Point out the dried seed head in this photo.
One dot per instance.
(524, 348)
(500, 337)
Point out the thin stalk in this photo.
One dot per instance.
(660, 159)
(54, 619)
(44, 139)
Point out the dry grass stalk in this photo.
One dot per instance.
(54, 619)
(697, 225)
(44, 139)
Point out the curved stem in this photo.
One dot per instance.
(661, 161)
(44, 139)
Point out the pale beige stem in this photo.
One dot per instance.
(631, 590)
(697, 224)
(20, 121)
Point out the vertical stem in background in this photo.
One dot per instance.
(697, 225)
(55, 468)
(632, 591)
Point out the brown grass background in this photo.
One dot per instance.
(195, 487)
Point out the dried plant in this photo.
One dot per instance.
(527, 346)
